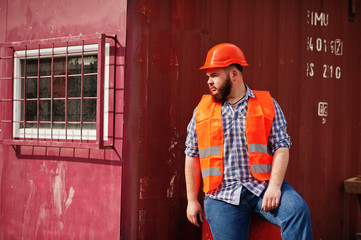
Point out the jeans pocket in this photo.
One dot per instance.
(205, 197)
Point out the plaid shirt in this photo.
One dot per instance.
(236, 168)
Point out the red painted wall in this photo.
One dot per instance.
(62, 193)
(168, 41)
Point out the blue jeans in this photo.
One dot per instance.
(231, 222)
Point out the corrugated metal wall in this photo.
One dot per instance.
(307, 53)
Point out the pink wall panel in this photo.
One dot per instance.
(137, 189)
(62, 193)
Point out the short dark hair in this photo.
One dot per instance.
(239, 67)
(236, 65)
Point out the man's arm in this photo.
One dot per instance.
(193, 179)
(271, 198)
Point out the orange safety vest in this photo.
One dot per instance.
(209, 129)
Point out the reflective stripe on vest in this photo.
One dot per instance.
(211, 171)
(209, 151)
(262, 168)
(258, 148)
(209, 129)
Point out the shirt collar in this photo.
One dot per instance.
(249, 93)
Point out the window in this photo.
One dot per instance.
(61, 93)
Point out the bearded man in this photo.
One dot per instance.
(238, 145)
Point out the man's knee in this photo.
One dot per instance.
(294, 204)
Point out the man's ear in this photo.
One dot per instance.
(234, 74)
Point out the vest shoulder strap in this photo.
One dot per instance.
(206, 108)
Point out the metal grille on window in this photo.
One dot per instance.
(58, 96)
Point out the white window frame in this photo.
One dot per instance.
(45, 133)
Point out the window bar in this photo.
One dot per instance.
(100, 92)
(12, 94)
(52, 94)
(4, 76)
(38, 96)
(81, 91)
(66, 91)
(24, 110)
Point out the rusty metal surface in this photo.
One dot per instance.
(167, 43)
(162, 44)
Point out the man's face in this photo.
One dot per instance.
(219, 83)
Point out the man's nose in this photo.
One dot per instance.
(210, 81)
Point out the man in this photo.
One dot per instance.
(238, 144)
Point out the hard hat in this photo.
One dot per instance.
(223, 55)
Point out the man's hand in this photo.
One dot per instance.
(193, 179)
(194, 210)
(271, 198)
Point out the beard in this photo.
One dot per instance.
(223, 91)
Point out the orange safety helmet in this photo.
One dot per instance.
(223, 55)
